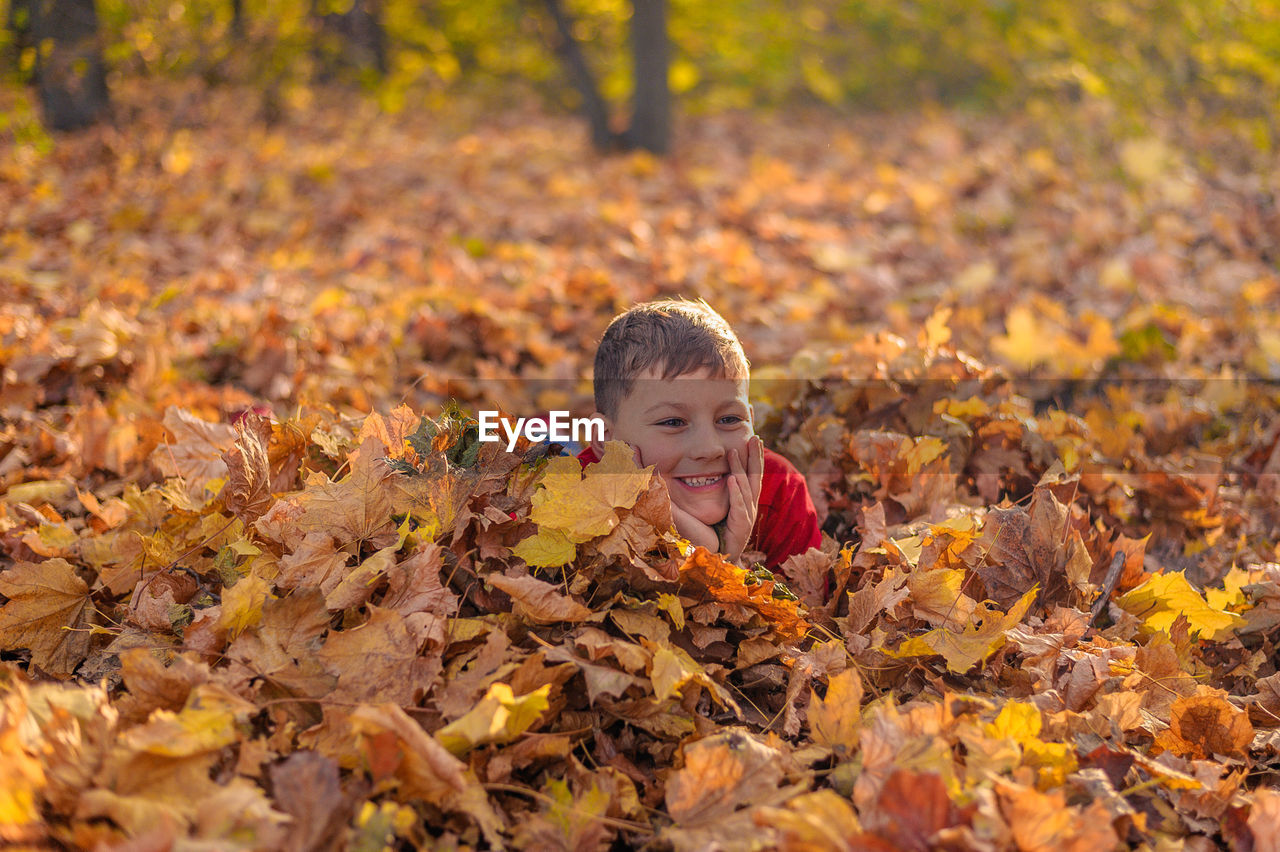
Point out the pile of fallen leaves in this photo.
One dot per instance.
(249, 601)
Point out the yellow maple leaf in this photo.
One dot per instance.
(1029, 341)
(1232, 591)
(1021, 722)
(936, 597)
(548, 548)
(242, 604)
(499, 717)
(22, 775)
(1163, 597)
(822, 819)
(1018, 721)
(583, 504)
(835, 718)
(980, 638)
(667, 673)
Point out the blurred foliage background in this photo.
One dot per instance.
(1194, 60)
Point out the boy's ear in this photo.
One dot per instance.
(597, 446)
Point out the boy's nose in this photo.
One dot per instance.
(707, 447)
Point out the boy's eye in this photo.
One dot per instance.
(732, 419)
(671, 421)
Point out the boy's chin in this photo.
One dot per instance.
(709, 515)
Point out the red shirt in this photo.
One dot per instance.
(786, 522)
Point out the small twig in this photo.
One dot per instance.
(1108, 586)
(174, 564)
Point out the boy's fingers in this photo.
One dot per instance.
(755, 464)
(740, 507)
(742, 518)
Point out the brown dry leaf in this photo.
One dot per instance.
(721, 774)
(1204, 725)
(599, 679)
(425, 769)
(1046, 544)
(1264, 704)
(306, 787)
(195, 454)
(45, 614)
(316, 563)
(821, 821)
(807, 574)
(247, 494)
(1264, 820)
(1042, 822)
(912, 809)
(152, 685)
(1007, 572)
(378, 661)
(356, 508)
(538, 602)
(282, 650)
(873, 600)
(414, 584)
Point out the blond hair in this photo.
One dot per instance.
(677, 336)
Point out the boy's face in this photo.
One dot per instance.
(686, 427)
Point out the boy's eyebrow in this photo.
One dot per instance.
(680, 406)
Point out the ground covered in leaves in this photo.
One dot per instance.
(262, 589)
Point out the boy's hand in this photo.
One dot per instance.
(695, 530)
(744, 497)
(744, 503)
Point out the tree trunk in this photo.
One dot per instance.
(237, 18)
(69, 73)
(651, 104)
(593, 105)
(355, 38)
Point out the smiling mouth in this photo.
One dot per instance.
(700, 481)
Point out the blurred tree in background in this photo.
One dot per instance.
(1199, 60)
(60, 42)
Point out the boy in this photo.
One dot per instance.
(671, 381)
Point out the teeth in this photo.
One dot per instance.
(698, 482)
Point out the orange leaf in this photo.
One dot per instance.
(726, 583)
